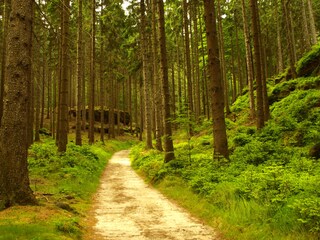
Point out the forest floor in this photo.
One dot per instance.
(125, 207)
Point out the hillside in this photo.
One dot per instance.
(270, 187)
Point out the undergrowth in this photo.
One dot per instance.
(64, 185)
(269, 189)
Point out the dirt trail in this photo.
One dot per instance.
(126, 208)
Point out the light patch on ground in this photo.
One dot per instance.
(127, 208)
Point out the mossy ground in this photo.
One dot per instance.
(270, 187)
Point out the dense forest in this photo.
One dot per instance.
(222, 94)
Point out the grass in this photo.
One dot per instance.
(270, 187)
(233, 217)
(70, 179)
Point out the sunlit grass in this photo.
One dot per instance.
(71, 179)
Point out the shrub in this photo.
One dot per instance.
(308, 211)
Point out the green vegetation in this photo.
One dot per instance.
(64, 185)
(270, 188)
(309, 65)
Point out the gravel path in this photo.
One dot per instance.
(126, 208)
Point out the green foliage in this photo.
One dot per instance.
(270, 184)
(69, 226)
(27, 231)
(308, 210)
(309, 64)
(70, 178)
(283, 89)
(240, 104)
(296, 118)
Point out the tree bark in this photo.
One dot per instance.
(146, 76)
(102, 95)
(156, 80)
(312, 23)
(37, 91)
(5, 19)
(196, 60)
(279, 44)
(308, 37)
(92, 73)
(79, 74)
(248, 60)
(188, 64)
(64, 82)
(14, 180)
(289, 32)
(223, 62)
(257, 58)
(168, 143)
(219, 126)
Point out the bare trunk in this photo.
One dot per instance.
(257, 58)
(219, 126)
(168, 143)
(79, 75)
(146, 75)
(312, 23)
(188, 64)
(279, 45)
(92, 73)
(196, 60)
(111, 109)
(156, 80)
(43, 84)
(223, 62)
(37, 91)
(248, 60)
(14, 180)
(307, 38)
(63, 102)
(286, 13)
(5, 19)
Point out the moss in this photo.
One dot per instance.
(309, 64)
(284, 89)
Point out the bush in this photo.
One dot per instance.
(308, 211)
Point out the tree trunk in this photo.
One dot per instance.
(289, 31)
(43, 84)
(223, 62)
(79, 74)
(64, 82)
(279, 45)
(156, 80)
(196, 60)
(234, 78)
(308, 37)
(168, 143)
(14, 180)
(130, 102)
(146, 76)
(92, 73)
(37, 91)
(5, 19)
(257, 57)
(188, 64)
(312, 23)
(248, 61)
(219, 126)
(102, 95)
(266, 111)
(240, 79)
(111, 109)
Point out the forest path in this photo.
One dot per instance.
(126, 207)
